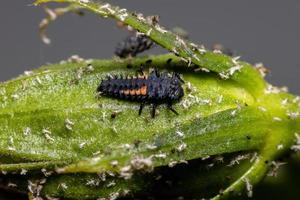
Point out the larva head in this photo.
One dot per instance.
(176, 90)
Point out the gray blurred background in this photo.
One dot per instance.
(260, 31)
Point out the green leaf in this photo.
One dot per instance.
(53, 118)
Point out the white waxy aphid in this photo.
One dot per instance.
(11, 143)
(249, 187)
(84, 1)
(210, 165)
(189, 62)
(104, 116)
(10, 184)
(181, 147)
(219, 159)
(296, 99)
(151, 146)
(235, 60)
(149, 32)
(205, 157)
(28, 73)
(110, 173)
(275, 90)
(202, 49)
(96, 154)
(46, 173)
(126, 146)
(293, 115)
(220, 99)
(102, 176)
(36, 187)
(195, 46)
(160, 29)
(93, 182)
(114, 129)
(196, 57)
(224, 75)
(284, 102)
(296, 146)
(190, 88)
(140, 16)
(11, 148)
(203, 69)
(126, 192)
(48, 137)
(63, 186)
(47, 134)
(38, 80)
(172, 164)
(275, 167)
(217, 51)
(205, 101)
(126, 172)
(111, 184)
(69, 124)
(140, 163)
(75, 59)
(23, 172)
(233, 113)
(123, 14)
(108, 8)
(161, 155)
(261, 69)
(180, 134)
(254, 157)
(175, 51)
(46, 131)
(114, 163)
(261, 108)
(15, 96)
(280, 146)
(183, 59)
(237, 159)
(183, 162)
(81, 145)
(278, 119)
(114, 196)
(234, 69)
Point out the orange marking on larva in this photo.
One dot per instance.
(143, 90)
(132, 92)
(126, 92)
(138, 92)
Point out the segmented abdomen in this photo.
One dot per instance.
(131, 89)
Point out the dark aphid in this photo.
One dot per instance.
(133, 45)
(157, 88)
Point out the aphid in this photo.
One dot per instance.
(133, 45)
(226, 51)
(157, 88)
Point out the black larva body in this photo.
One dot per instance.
(133, 45)
(154, 89)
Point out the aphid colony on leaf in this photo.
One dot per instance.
(157, 88)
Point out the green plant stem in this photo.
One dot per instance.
(214, 62)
